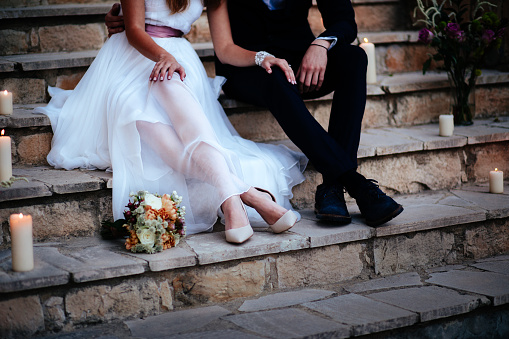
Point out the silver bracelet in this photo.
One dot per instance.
(260, 56)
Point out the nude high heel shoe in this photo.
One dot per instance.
(239, 235)
(285, 222)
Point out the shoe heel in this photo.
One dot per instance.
(239, 235)
(267, 192)
(284, 223)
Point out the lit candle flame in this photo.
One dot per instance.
(365, 39)
(5, 92)
(496, 169)
(2, 133)
(21, 215)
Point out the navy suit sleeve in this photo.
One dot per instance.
(338, 19)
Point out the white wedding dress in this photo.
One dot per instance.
(166, 135)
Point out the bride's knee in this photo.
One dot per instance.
(172, 87)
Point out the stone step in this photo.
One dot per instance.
(86, 281)
(403, 160)
(52, 28)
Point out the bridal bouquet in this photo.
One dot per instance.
(154, 222)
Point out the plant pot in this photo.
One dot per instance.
(462, 97)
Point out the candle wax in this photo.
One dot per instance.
(21, 242)
(5, 158)
(5, 103)
(369, 48)
(445, 125)
(496, 181)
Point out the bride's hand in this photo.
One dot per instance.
(167, 64)
(270, 61)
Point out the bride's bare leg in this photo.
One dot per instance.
(263, 204)
(230, 208)
(192, 128)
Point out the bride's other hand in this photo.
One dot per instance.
(271, 61)
(167, 64)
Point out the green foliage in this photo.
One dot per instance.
(8, 183)
(113, 230)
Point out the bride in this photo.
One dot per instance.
(146, 110)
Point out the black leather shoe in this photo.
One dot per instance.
(375, 206)
(330, 204)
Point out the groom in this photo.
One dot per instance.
(324, 64)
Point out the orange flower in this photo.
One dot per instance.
(168, 209)
(166, 201)
(171, 241)
(168, 241)
(131, 241)
(168, 215)
(151, 214)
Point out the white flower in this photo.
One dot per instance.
(146, 237)
(139, 210)
(153, 201)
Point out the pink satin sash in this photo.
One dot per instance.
(162, 31)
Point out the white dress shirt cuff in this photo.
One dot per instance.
(332, 39)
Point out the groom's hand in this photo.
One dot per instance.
(114, 22)
(312, 68)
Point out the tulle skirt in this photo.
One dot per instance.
(165, 136)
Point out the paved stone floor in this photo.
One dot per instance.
(464, 301)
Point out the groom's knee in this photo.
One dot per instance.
(348, 57)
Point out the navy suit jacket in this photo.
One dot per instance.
(286, 33)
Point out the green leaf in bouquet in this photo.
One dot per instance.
(113, 230)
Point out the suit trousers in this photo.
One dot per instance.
(332, 152)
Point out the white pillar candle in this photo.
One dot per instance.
(21, 242)
(496, 181)
(5, 103)
(5, 157)
(445, 125)
(369, 48)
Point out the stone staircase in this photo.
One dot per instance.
(80, 280)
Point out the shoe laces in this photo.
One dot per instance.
(336, 190)
(373, 188)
